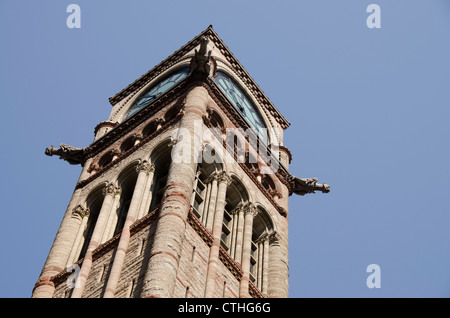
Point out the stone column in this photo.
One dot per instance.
(204, 215)
(109, 192)
(265, 275)
(59, 252)
(211, 208)
(223, 180)
(250, 212)
(239, 234)
(112, 217)
(259, 267)
(279, 269)
(147, 196)
(161, 272)
(234, 227)
(144, 168)
(83, 215)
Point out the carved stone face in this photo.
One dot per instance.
(49, 151)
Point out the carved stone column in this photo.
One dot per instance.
(112, 217)
(82, 214)
(161, 272)
(144, 168)
(250, 212)
(147, 196)
(224, 181)
(109, 193)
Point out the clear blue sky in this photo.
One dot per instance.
(369, 110)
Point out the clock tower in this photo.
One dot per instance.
(183, 191)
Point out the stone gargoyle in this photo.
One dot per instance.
(72, 155)
(308, 185)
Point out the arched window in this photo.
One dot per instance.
(233, 219)
(157, 89)
(204, 188)
(259, 259)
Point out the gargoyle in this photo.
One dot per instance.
(201, 63)
(308, 185)
(72, 155)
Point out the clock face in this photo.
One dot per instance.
(157, 90)
(242, 104)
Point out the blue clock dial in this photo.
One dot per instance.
(241, 103)
(157, 90)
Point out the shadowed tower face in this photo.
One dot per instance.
(183, 191)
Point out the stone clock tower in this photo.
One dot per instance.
(183, 191)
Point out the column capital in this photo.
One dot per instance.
(211, 178)
(250, 208)
(145, 166)
(110, 188)
(236, 210)
(274, 237)
(223, 176)
(263, 238)
(80, 211)
(118, 191)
